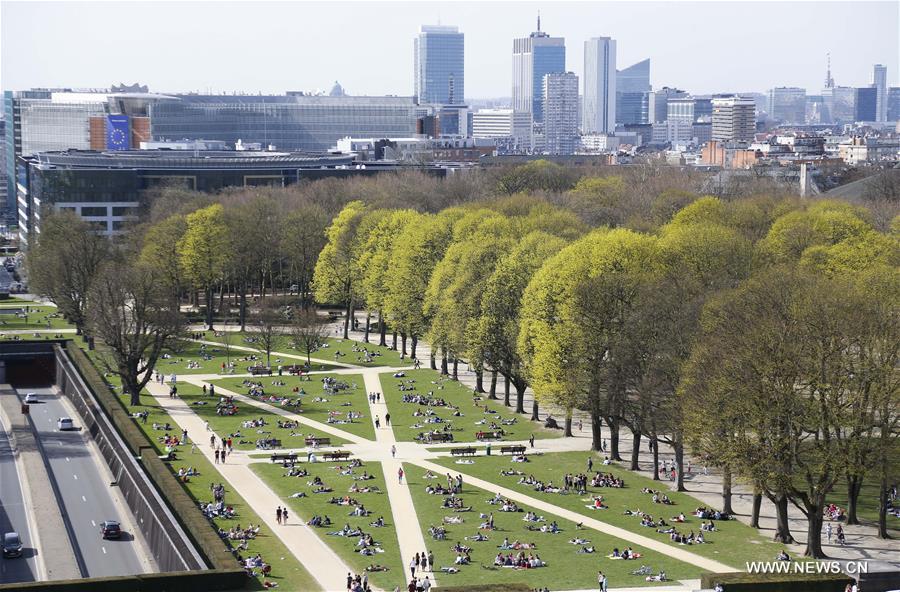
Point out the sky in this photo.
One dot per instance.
(272, 47)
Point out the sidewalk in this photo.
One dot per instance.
(323, 563)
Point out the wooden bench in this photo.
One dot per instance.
(439, 437)
(283, 456)
(512, 450)
(488, 436)
(467, 451)
(336, 455)
(294, 369)
(317, 441)
(260, 370)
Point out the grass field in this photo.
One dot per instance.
(36, 318)
(733, 543)
(317, 504)
(224, 425)
(566, 568)
(287, 572)
(458, 395)
(353, 398)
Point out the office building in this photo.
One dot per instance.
(560, 112)
(599, 86)
(838, 104)
(438, 58)
(787, 104)
(510, 130)
(3, 179)
(632, 86)
(680, 110)
(881, 92)
(659, 103)
(733, 119)
(893, 109)
(534, 57)
(702, 109)
(289, 122)
(866, 104)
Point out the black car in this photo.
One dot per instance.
(110, 529)
(12, 545)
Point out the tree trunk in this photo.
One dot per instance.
(209, 307)
(347, 321)
(506, 391)
(403, 344)
(679, 463)
(394, 340)
(534, 410)
(455, 368)
(655, 444)
(613, 424)
(433, 360)
(636, 451)
(444, 370)
(726, 490)
(883, 498)
(479, 378)
(782, 526)
(596, 424)
(368, 325)
(568, 430)
(413, 346)
(492, 393)
(854, 486)
(520, 397)
(815, 518)
(242, 308)
(757, 505)
(382, 328)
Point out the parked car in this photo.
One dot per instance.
(110, 529)
(65, 423)
(31, 398)
(12, 545)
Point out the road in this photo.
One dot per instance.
(13, 517)
(87, 496)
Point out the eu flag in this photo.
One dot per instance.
(118, 132)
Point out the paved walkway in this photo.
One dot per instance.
(310, 550)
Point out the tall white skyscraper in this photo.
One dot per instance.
(534, 57)
(881, 92)
(599, 85)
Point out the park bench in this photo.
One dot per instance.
(488, 435)
(439, 437)
(512, 449)
(318, 441)
(294, 369)
(337, 455)
(283, 456)
(467, 451)
(258, 370)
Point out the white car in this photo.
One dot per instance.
(31, 398)
(65, 423)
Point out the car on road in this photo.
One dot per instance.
(31, 398)
(65, 423)
(12, 545)
(110, 529)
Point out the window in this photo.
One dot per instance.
(123, 211)
(93, 211)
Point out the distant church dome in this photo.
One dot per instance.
(337, 90)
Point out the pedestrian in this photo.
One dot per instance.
(223, 456)
(426, 585)
(400, 480)
(212, 438)
(828, 532)
(531, 440)
(412, 567)
(377, 423)
(590, 464)
(423, 562)
(393, 448)
(206, 425)
(430, 561)
(284, 516)
(184, 437)
(603, 446)
(217, 456)
(204, 389)
(387, 419)
(601, 581)
(193, 448)
(378, 397)
(349, 580)
(580, 426)
(278, 514)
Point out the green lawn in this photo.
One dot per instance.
(458, 395)
(244, 359)
(867, 505)
(317, 504)
(733, 544)
(566, 568)
(353, 398)
(287, 572)
(37, 317)
(190, 357)
(224, 425)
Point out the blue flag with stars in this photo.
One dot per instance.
(118, 132)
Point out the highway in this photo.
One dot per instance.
(87, 496)
(13, 517)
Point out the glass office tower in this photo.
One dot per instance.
(534, 57)
(438, 55)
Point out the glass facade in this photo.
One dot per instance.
(533, 58)
(866, 104)
(289, 122)
(439, 65)
(547, 59)
(56, 126)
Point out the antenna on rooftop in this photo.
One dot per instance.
(829, 81)
(539, 21)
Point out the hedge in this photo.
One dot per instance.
(748, 582)
(185, 509)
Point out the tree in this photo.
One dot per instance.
(336, 274)
(267, 326)
(203, 251)
(302, 239)
(159, 248)
(63, 262)
(536, 175)
(599, 201)
(307, 332)
(135, 316)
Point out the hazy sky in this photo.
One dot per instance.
(271, 47)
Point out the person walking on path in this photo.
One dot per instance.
(590, 464)
(400, 480)
(601, 581)
(426, 584)
(430, 561)
(828, 532)
(378, 397)
(393, 451)
(349, 581)
(387, 419)
(531, 440)
(377, 423)
(278, 514)
(284, 515)
(217, 456)
(423, 562)
(412, 566)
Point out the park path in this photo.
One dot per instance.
(620, 533)
(309, 549)
(406, 523)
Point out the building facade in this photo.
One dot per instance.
(893, 110)
(534, 57)
(866, 104)
(787, 104)
(439, 63)
(632, 86)
(599, 86)
(658, 106)
(733, 119)
(561, 113)
(881, 92)
(838, 104)
(510, 129)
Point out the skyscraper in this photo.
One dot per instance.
(439, 65)
(733, 119)
(881, 92)
(599, 85)
(867, 104)
(560, 112)
(632, 86)
(787, 104)
(534, 57)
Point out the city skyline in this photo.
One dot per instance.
(40, 48)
